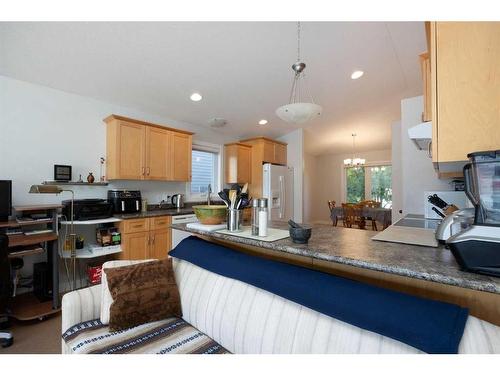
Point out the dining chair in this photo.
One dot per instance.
(331, 206)
(349, 214)
(372, 204)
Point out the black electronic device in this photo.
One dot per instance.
(5, 199)
(42, 281)
(125, 201)
(477, 248)
(87, 209)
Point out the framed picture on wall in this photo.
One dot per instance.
(62, 172)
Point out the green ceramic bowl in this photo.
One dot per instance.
(211, 215)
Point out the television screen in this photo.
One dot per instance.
(5, 199)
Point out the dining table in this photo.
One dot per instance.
(380, 214)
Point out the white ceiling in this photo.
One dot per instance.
(242, 69)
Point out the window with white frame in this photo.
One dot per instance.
(369, 182)
(205, 170)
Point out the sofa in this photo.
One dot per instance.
(224, 315)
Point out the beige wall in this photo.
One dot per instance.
(309, 186)
(323, 181)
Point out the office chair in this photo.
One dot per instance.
(6, 338)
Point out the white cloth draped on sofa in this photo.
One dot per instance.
(246, 319)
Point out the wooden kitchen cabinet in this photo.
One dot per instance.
(279, 153)
(147, 238)
(160, 243)
(138, 150)
(465, 91)
(125, 150)
(238, 163)
(425, 66)
(135, 246)
(157, 149)
(180, 156)
(264, 150)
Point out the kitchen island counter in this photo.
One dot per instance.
(427, 272)
(354, 247)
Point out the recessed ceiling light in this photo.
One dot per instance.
(195, 97)
(262, 122)
(357, 74)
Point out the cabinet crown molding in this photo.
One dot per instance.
(265, 139)
(140, 122)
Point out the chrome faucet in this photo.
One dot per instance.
(209, 191)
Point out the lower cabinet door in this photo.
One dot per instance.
(160, 243)
(135, 246)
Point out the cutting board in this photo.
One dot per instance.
(273, 234)
(205, 227)
(408, 235)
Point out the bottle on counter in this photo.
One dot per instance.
(255, 217)
(263, 217)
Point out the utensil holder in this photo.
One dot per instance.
(233, 220)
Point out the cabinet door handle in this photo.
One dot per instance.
(154, 237)
(429, 150)
(143, 170)
(149, 170)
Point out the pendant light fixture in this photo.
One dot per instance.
(354, 162)
(299, 110)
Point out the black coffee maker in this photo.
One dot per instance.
(477, 248)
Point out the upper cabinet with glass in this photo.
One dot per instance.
(138, 150)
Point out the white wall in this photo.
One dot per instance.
(310, 178)
(329, 180)
(40, 127)
(397, 172)
(417, 172)
(295, 159)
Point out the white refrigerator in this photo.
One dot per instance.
(278, 189)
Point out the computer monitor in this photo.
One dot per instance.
(5, 199)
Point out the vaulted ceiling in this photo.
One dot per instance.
(242, 69)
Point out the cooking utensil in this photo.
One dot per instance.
(224, 197)
(232, 198)
(438, 212)
(245, 188)
(237, 188)
(293, 224)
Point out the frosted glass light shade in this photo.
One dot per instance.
(298, 113)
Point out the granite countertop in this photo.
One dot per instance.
(354, 247)
(157, 212)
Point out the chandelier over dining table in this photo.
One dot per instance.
(354, 161)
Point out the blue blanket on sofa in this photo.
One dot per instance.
(431, 326)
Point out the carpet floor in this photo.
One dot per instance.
(35, 337)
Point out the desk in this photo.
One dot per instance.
(27, 306)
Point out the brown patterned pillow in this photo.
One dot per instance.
(142, 293)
